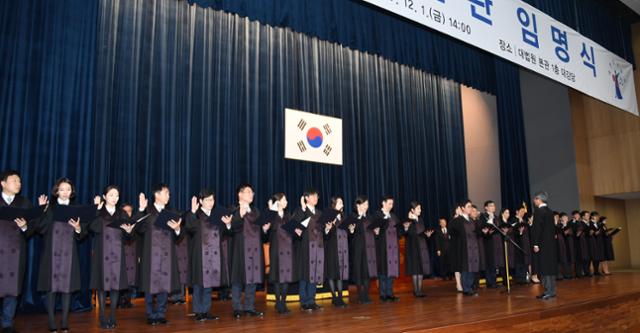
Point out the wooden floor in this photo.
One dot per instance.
(584, 305)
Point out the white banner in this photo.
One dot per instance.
(311, 137)
(518, 32)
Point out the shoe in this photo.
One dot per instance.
(209, 316)
(112, 324)
(305, 307)
(470, 293)
(547, 297)
(151, 322)
(254, 313)
(364, 301)
(104, 325)
(393, 298)
(420, 295)
(64, 330)
(384, 298)
(540, 296)
(315, 307)
(162, 321)
(237, 314)
(200, 317)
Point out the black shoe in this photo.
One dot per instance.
(64, 330)
(384, 298)
(104, 325)
(547, 297)
(364, 301)
(305, 307)
(470, 293)
(254, 313)
(419, 295)
(53, 330)
(315, 306)
(540, 296)
(341, 303)
(209, 316)
(392, 298)
(200, 317)
(237, 314)
(162, 321)
(151, 322)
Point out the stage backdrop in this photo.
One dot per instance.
(163, 91)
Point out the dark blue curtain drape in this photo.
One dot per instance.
(136, 92)
(47, 77)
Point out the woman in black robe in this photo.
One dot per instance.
(417, 259)
(59, 272)
(609, 255)
(362, 249)
(336, 255)
(108, 265)
(280, 251)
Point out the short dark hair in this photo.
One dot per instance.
(575, 212)
(414, 204)
(56, 187)
(334, 201)
(205, 193)
(594, 213)
(242, 186)
(488, 202)
(309, 191)
(159, 187)
(583, 213)
(8, 173)
(360, 199)
(277, 196)
(463, 203)
(385, 198)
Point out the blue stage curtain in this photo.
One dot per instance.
(514, 171)
(47, 76)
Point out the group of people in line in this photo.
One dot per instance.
(159, 252)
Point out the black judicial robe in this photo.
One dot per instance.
(492, 242)
(465, 245)
(609, 255)
(246, 258)
(563, 256)
(207, 267)
(13, 249)
(567, 233)
(309, 248)
(336, 253)
(182, 255)
(131, 256)
(544, 237)
(59, 269)
(158, 263)
(581, 231)
(523, 239)
(442, 241)
(362, 250)
(598, 242)
(511, 250)
(417, 260)
(108, 264)
(281, 256)
(387, 247)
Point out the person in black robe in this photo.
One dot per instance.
(442, 239)
(596, 244)
(13, 247)
(492, 242)
(523, 258)
(581, 232)
(207, 270)
(158, 265)
(246, 258)
(281, 261)
(609, 254)
(563, 256)
(59, 272)
(465, 243)
(567, 235)
(131, 259)
(507, 228)
(309, 249)
(417, 258)
(362, 249)
(336, 255)
(108, 266)
(544, 245)
(387, 248)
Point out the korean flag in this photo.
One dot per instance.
(311, 137)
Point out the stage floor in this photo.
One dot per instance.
(612, 299)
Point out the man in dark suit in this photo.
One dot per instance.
(544, 244)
